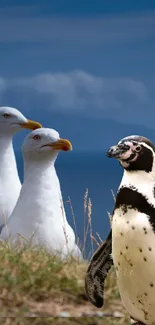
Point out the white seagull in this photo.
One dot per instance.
(39, 214)
(11, 121)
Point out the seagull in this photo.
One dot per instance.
(11, 121)
(39, 215)
(132, 238)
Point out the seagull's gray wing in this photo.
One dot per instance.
(99, 266)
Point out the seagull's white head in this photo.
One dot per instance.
(135, 153)
(11, 121)
(44, 142)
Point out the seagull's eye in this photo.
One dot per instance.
(36, 137)
(6, 115)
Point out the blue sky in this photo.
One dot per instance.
(78, 62)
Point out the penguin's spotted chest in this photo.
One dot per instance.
(133, 254)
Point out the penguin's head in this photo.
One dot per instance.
(134, 153)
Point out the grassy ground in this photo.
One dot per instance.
(40, 289)
(61, 321)
(34, 284)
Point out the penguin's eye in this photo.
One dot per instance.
(138, 148)
(36, 137)
(6, 115)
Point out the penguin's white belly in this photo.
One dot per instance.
(133, 251)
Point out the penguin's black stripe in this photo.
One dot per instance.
(130, 158)
(143, 162)
(128, 198)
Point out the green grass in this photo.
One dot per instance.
(36, 284)
(28, 277)
(35, 287)
(62, 321)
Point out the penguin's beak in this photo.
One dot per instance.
(117, 151)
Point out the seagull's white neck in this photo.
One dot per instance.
(9, 180)
(7, 160)
(39, 213)
(41, 187)
(38, 170)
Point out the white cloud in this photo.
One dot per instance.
(78, 92)
(82, 90)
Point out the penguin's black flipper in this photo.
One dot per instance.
(99, 266)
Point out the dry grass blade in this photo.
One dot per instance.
(90, 223)
(85, 226)
(101, 240)
(113, 195)
(95, 240)
(73, 216)
(110, 217)
(64, 224)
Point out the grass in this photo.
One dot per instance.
(62, 321)
(38, 286)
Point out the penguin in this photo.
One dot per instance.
(130, 245)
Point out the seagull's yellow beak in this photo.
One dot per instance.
(61, 144)
(32, 125)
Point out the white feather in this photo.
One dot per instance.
(9, 180)
(39, 214)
